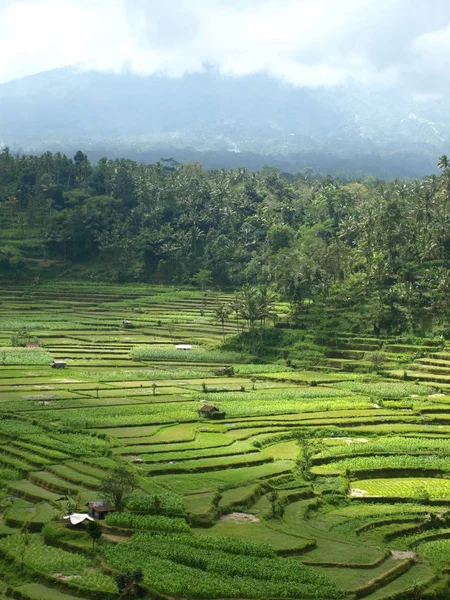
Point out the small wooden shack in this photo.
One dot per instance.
(210, 412)
(228, 371)
(98, 509)
(78, 520)
(32, 345)
(58, 364)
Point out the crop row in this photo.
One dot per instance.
(172, 567)
(230, 450)
(411, 487)
(389, 444)
(78, 444)
(436, 551)
(396, 461)
(385, 389)
(194, 355)
(156, 413)
(127, 520)
(24, 356)
(34, 554)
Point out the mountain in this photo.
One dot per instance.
(226, 121)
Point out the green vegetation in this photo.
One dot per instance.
(31, 552)
(24, 356)
(146, 522)
(211, 572)
(332, 249)
(411, 487)
(165, 503)
(165, 354)
(302, 469)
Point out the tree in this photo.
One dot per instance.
(255, 304)
(25, 542)
(202, 278)
(21, 337)
(308, 448)
(377, 359)
(128, 583)
(222, 313)
(94, 531)
(69, 506)
(171, 328)
(117, 485)
(273, 499)
(443, 162)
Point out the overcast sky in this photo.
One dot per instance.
(305, 42)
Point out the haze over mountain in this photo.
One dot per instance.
(226, 120)
(352, 87)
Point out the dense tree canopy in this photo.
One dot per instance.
(382, 244)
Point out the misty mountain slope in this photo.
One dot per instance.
(260, 119)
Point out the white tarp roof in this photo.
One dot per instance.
(183, 347)
(76, 518)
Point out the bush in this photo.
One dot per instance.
(165, 503)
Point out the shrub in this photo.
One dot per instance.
(165, 503)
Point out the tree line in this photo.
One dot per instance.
(381, 245)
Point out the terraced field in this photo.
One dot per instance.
(318, 483)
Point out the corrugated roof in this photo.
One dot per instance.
(100, 505)
(208, 408)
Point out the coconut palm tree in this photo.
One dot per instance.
(222, 313)
(443, 162)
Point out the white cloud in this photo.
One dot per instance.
(305, 42)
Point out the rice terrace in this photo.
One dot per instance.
(327, 481)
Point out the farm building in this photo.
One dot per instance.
(183, 347)
(58, 364)
(32, 345)
(98, 509)
(77, 520)
(228, 371)
(210, 412)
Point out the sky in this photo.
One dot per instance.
(304, 42)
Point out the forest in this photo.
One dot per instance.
(380, 248)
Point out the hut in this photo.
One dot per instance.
(58, 364)
(32, 345)
(78, 520)
(127, 323)
(183, 347)
(228, 371)
(210, 412)
(98, 509)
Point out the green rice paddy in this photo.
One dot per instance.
(238, 515)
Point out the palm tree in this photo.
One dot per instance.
(255, 303)
(221, 313)
(235, 306)
(443, 162)
(266, 305)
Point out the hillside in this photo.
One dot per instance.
(320, 483)
(377, 253)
